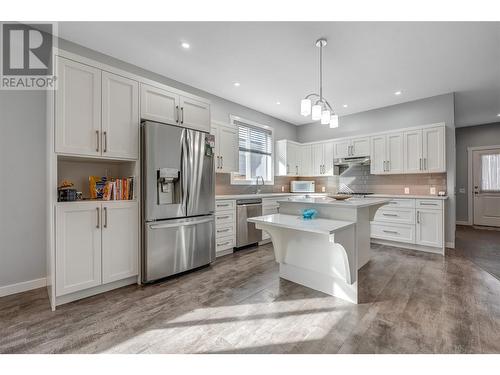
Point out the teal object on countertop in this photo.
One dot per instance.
(309, 213)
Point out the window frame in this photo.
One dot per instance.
(234, 181)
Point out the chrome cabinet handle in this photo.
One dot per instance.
(221, 159)
(418, 217)
(105, 217)
(98, 214)
(296, 169)
(425, 163)
(388, 165)
(428, 204)
(182, 115)
(390, 231)
(97, 136)
(287, 169)
(384, 166)
(420, 164)
(394, 215)
(177, 114)
(105, 135)
(222, 217)
(224, 243)
(223, 230)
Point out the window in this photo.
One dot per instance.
(255, 150)
(490, 173)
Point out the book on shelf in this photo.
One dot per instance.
(112, 188)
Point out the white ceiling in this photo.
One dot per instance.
(364, 62)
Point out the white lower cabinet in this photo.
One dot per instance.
(120, 241)
(419, 222)
(96, 243)
(225, 226)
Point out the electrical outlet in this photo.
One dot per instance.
(282, 189)
(433, 190)
(323, 189)
(407, 190)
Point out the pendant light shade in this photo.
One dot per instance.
(316, 112)
(334, 121)
(325, 117)
(305, 107)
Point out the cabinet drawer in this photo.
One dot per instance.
(224, 217)
(393, 232)
(396, 215)
(406, 203)
(224, 230)
(224, 243)
(430, 204)
(224, 205)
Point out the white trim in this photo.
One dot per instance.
(23, 286)
(410, 246)
(470, 197)
(450, 245)
(460, 222)
(233, 118)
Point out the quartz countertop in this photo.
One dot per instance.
(409, 196)
(350, 203)
(265, 195)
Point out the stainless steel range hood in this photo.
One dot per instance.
(342, 165)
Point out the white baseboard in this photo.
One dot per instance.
(458, 222)
(450, 245)
(22, 287)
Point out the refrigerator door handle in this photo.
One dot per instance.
(183, 224)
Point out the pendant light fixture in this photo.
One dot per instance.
(315, 104)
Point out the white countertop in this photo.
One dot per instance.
(265, 195)
(351, 203)
(321, 226)
(408, 196)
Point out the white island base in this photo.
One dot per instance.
(318, 253)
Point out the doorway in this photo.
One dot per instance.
(486, 187)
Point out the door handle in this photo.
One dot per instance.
(177, 114)
(182, 115)
(105, 217)
(105, 147)
(175, 225)
(98, 214)
(97, 137)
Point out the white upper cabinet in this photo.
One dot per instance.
(77, 109)
(413, 151)
(328, 151)
(194, 114)
(78, 247)
(360, 147)
(433, 149)
(172, 108)
(120, 240)
(341, 149)
(386, 153)
(287, 155)
(322, 158)
(226, 148)
(305, 160)
(425, 150)
(159, 105)
(120, 116)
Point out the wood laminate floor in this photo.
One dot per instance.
(413, 302)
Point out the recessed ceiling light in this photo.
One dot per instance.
(345, 106)
(185, 45)
(397, 93)
(498, 114)
(237, 84)
(278, 103)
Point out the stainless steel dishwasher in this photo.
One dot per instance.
(246, 233)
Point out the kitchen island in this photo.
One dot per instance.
(324, 253)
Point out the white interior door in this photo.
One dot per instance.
(120, 240)
(78, 109)
(78, 246)
(120, 116)
(486, 188)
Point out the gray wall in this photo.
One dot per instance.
(22, 166)
(22, 189)
(471, 136)
(420, 112)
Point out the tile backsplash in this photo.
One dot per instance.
(357, 179)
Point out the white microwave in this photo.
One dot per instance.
(302, 186)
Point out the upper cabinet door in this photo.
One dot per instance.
(378, 154)
(413, 151)
(292, 159)
(395, 151)
(305, 160)
(341, 149)
(360, 146)
(120, 116)
(228, 149)
(78, 247)
(78, 109)
(159, 105)
(120, 240)
(328, 158)
(194, 114)
(433, 149)
(317, 159)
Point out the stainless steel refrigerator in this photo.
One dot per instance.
(178, 200)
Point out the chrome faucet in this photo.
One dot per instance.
(257, 191)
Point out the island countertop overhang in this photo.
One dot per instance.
(330, 202)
